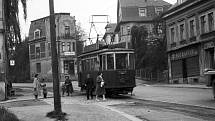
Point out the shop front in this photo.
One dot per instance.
(209, 60)
(184, 64)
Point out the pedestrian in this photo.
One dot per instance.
(44, 88)
(69, 87)
(63, 87)
(36, 85)
(89, 84)
(100, 87)
(213, 87)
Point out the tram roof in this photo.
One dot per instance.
(98, 51)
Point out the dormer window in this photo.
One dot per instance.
(158, 10)
(142, 12)
(36, 34)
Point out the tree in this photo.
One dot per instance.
(12, 30)
(21, 69)
(150, 50)
(139, 44)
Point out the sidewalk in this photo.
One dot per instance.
(157, 84)
(80, 109)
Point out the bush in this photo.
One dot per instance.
(6, 115)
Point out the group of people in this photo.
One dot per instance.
(100, 87)
(37, 85)
(68, 88)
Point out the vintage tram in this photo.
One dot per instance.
(116, 64)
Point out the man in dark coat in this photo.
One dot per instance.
(68, 84)
(89, 83)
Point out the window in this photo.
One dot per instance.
(203, 24)
(211, 21)
(158, 10)
(122, 61)
(131, 61)
(142, 11)
(128, 30)
(69, 46)
(192, 28)
(110, 62)
(122, 33)
(172, 34)
(71, 67)
(104, 62)
(43, 49)
(38, 52)
(66, 66)
(49, 49)
(32, 51)
(182, 32)
(38, 67)
(63, 47)
(37, 34)
(73, 46)
(67, 31)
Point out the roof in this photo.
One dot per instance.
(130, 11)
(142, 3)
(48, 16)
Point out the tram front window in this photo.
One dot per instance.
(122, 61)
(110, 61)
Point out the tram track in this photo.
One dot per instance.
(204, 113)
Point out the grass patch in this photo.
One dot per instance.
(6, 115)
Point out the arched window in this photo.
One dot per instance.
(36, 34)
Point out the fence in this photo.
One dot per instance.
(147, 75)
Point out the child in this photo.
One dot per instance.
(63, 89)
(44, 88)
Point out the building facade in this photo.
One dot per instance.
(190, 40)
(137, 13)
(40, 46)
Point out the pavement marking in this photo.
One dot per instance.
(130, 117)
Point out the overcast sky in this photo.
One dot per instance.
(81, 9)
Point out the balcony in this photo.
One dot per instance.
(67, 36)
(206, 35)
(192, 39)
(173, 44)
(182, 42)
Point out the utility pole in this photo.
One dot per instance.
(5, 57)
(57, 98)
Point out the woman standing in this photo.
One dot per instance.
(100, 89)
(36, 85)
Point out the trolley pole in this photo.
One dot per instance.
(57, 98)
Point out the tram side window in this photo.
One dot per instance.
(122, 61)
(87, 65)
(104, 62)
(131, 61)
(110, 61)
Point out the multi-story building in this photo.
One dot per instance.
(40, 46)
(190, 40)
(139, 13)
